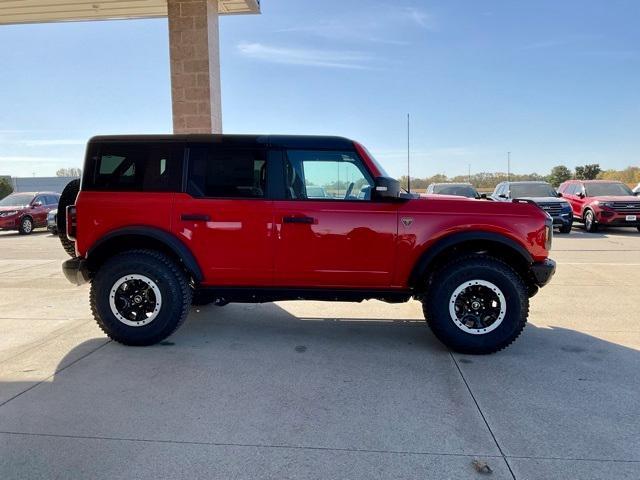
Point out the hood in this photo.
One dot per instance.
(438, 196)
(546, 199)
(10, 209)
(617, 198)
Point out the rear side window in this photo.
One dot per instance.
(217, 171)
(136, 167)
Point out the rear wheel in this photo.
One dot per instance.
(590, 224)
(26, 226)
(68, 197)
(477, 304)
(140, 297)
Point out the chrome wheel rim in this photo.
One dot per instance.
(589, 220)
(135, 300)
(477, 307)
(27, 225)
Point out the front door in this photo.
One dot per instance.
(329, 233)
(225, 217)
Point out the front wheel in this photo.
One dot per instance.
(565, 228)
(140, 297)
(26, 226)
(590, 224)
(477, 305)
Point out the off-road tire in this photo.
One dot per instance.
(590, 224)
(68, 197)
(565, 228)
(476, 267)
(26, 225)
(171, 280)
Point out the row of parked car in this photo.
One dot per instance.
(26, 211)
(595, 203)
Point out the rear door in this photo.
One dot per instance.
(571, 194)
(39, 210)
(224, 214)
(341, 238)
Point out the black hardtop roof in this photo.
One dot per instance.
(466, 184)
(527, 182)
(282, 141)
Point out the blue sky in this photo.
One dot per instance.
(552, 82)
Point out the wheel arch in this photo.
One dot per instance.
(454, 245)
(134, 237)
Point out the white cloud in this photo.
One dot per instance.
(51, 142)
(420, 17)
(305, 57)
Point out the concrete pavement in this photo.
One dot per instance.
(322, 390)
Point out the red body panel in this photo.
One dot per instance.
(235, 245)
(349, 244)
(99, 213)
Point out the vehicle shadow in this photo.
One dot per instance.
(602, 233)
(38, 232)
(257, 375)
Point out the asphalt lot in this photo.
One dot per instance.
(316, 390)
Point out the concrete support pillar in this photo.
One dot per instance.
(195, 66)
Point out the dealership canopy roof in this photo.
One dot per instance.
(34, 11)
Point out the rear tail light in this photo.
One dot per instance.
(548, 233)
(71, 222)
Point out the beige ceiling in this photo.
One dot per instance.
(36, 11)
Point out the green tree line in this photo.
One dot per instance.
(557, 175)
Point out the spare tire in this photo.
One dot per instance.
(67, 198)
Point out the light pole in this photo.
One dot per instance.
(508, 166)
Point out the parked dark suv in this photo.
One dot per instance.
(25, 211)
(543, 194)
(457, 189)
(163, 220)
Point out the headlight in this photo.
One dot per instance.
(605, 204)
(8, 214)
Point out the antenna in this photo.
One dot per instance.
(408, 159)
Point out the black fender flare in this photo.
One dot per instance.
(449, 241)
(167, 239)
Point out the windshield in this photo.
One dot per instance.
(16, 200)
(533, 190)
(606, 189)
(459, 190)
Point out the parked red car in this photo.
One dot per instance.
(160, 221)
(26, 210)
(602, 203)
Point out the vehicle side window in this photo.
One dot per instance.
(326, 175)
(39, 198)
(571, 189)
(51, 200)
(500, 190)
(223, 172)
(136, 167)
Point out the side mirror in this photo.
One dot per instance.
(637, 194)
(483, 196)
(559, 194)
(36, 204)
(502, 195)
(581, 195)
(385, 188)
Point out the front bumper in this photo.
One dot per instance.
(75, 270)
(10, 223)
(617, 219)
(543, 271)
(563, 219)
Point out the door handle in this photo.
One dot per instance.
(307, 220)
(194, 217)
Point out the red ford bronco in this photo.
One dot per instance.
(160, 222)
